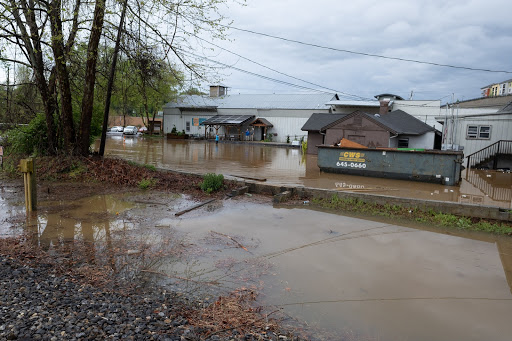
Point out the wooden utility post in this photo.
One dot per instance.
(29, 177)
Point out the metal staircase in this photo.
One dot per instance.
(492, 153)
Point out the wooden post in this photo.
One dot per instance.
(29, 178)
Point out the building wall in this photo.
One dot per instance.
(285, 122)
(358, 129)
(314, 139)
(498, 89)
(456, 131)
(176, 117)
(425, 141)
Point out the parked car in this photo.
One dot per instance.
(130, 130)
(143, 129)
(118, 129)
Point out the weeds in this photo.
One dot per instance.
(212, 182)
(429, 217)
(147, 183)
(150, 167)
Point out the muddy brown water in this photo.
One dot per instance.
(282, 165)
(352, 278)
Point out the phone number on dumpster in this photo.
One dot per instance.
(351, 164)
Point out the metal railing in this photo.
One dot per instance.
(492, 152)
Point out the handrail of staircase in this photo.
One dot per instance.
(489, 150)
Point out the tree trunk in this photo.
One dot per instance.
(111, 80)
(90, 78)
(62, 76)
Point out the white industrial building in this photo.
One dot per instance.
(278, 115)
(477, 124)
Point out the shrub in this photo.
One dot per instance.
(147, 183)
(212, 182)
(304, 146)
(150, 167)
(30, 139)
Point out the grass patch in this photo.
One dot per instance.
(147, 183)
(430, 217)
(212, 182)
(77, 169)
(150, 167)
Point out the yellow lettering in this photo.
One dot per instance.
(345, 154)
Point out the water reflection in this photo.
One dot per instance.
(288, 166)
(9, 209)
(89, 219)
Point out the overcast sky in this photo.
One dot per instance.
(475, 34)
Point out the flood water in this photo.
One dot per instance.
(351, 278)
(282, 165)
(371, 280)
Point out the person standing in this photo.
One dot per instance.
(247, 134)
(216, 138)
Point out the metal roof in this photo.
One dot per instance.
(253, 101)
(262, 121)
(507, 109)
(228, 120)
(317, 121)
(342, 103)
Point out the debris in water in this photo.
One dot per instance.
(231, 238)
(177, 214)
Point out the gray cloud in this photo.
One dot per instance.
(473, 34)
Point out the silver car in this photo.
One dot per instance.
(118, 129)
(130, 130)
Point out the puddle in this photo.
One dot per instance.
(10, 209)
(378, 281)
(88, 219)
(286, 166)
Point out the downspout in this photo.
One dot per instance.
(392, 137)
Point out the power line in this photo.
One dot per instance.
(425, 105)
(254, 74)
(345, 94)
(364, 53)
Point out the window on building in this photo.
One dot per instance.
(484, 132)
(403, 142)
(187, 126)
(503, 88)
(478, 132)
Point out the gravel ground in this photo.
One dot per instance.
(37, 304)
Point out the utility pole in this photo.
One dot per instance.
(111, 81)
